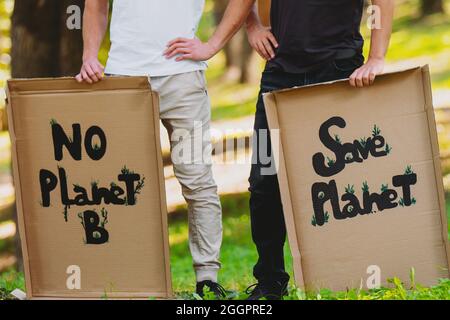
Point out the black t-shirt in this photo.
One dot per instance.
(313, 32)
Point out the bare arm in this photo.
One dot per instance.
(95, 23)
(193, 49)
(379, 45)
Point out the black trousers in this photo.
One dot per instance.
(268, 226)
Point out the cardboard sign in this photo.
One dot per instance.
(90, 188)
(361, 181)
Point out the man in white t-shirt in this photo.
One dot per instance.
(140, 32)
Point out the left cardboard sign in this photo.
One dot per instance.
(89, 186)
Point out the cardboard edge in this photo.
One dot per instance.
(162, 194)
(23, 86)
(272, 117)
(429, 109)
(346, 80)
(18, 195)
(95, 296)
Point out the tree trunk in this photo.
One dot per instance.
(43, 46)
(264, 11)
(238, 51)
(431, 6)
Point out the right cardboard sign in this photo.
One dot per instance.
(361, 181)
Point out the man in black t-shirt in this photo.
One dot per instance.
(309, 33)
(311, 41)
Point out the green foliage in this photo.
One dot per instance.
(139, 186)
(314, 221)
(365, 187)
(409, 170)
(337, 139)
(104, 215)
(363, 142)
(350, 189)
(395, 291)
(376, 131)
(9, 281)
(327, 217)
(330, 162)
(388, 148)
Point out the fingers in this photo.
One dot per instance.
(353, 78)
(363, 77)
(176, 44)
(79, 78)
(372, 76)
(179, 51)
(85, 76)
(91, 72)
(368, 77)
(264, 44)
(261, 49)
(356, 79)
(176, 49)
(177, 40)
(272, 40)
(268, 47)
(359, 80)
(98, 70)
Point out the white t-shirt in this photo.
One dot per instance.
(140, 31)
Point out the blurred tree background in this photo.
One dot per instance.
(41, 43)
(432, 6)
(35, 42)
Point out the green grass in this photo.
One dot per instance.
(396, 291)
(414, 38)
(10, 281)
(427, 40)
(238, 251)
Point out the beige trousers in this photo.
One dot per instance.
(186, 113)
